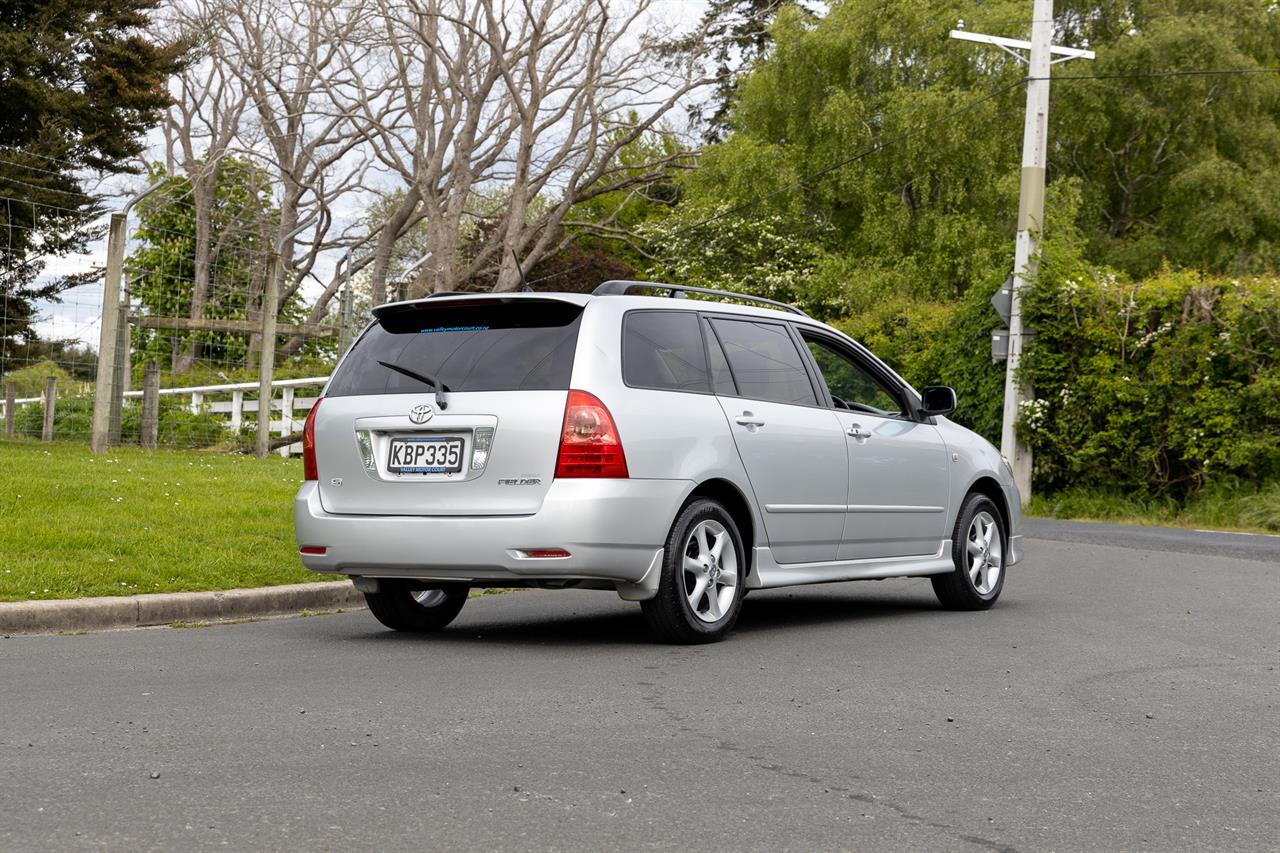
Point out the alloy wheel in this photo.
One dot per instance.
(710, 572)
(984, 553)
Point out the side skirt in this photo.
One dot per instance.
(772, 574)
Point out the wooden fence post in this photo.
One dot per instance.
(10, 408)
(108, 338)
(149, 432)
(50, 397)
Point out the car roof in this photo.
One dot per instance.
(679, 303)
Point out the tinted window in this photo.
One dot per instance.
(765, 362)
(721, 377)
(850, 385)
(663, 349)
(521, 345)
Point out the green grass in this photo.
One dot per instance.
(74, 524)
(1228, 506)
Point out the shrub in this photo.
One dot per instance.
(30, 380)
(1159, 385)
(178, 427)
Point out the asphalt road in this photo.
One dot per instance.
(1122, 696)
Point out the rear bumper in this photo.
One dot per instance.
(613, 530)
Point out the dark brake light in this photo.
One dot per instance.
(309, 471)
(589, 443)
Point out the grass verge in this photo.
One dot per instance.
(74, 524)
(1245, 507)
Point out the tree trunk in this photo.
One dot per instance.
(202, 187)
(391, 231)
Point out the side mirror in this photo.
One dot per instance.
(937, 400)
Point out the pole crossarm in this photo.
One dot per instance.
(210, 324)
(1009, 46)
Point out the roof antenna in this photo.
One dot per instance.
(524, 285)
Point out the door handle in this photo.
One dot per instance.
(748, 420)
(856, 431)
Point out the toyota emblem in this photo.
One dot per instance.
(421, 414)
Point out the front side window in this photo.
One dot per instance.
(765, 362)
(851, 386)
(663, 349)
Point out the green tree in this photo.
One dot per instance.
(927, 134)
(161, 267)
(80, 81)
(1178, 168)
(734, 36)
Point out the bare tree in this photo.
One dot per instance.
(499, 117)
(289, 55)
(200, 127)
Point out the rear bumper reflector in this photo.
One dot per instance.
(545, 553)
(317, 550)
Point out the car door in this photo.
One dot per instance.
(790, 441)
(898, 472)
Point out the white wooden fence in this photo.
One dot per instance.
(229, 400)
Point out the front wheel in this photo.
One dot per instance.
(978, 546)
(703, 574)
(414, 606)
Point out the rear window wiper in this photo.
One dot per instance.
(423, 378)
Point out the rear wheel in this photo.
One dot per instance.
(704, 566)
(414, 606)
(978, 546)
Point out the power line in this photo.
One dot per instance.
(1138, 75)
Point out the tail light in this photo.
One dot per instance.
(589, 443)
(309, 471)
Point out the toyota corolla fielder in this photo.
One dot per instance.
(679, 452)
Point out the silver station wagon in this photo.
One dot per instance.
(677, 451)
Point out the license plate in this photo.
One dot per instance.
(441, 455)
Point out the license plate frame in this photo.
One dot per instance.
(414, 464)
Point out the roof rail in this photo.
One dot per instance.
(677, 291)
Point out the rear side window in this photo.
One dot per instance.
(520, 345)
(765, 362)
(663, 349)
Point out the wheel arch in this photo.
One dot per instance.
(735, 502)
(988, 487)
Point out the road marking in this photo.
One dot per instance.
(1238, 533)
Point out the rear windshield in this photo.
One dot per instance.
(521, 345)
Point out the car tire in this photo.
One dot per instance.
(979, 545)
(704, 569)
(416, 607)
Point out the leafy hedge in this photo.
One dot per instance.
(1158, 385)
(1154, 387)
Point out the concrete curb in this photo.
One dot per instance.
(136, 611)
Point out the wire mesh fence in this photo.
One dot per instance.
(170, 343)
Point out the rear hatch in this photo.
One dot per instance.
(387, 444)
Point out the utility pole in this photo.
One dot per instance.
(1040, 55)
